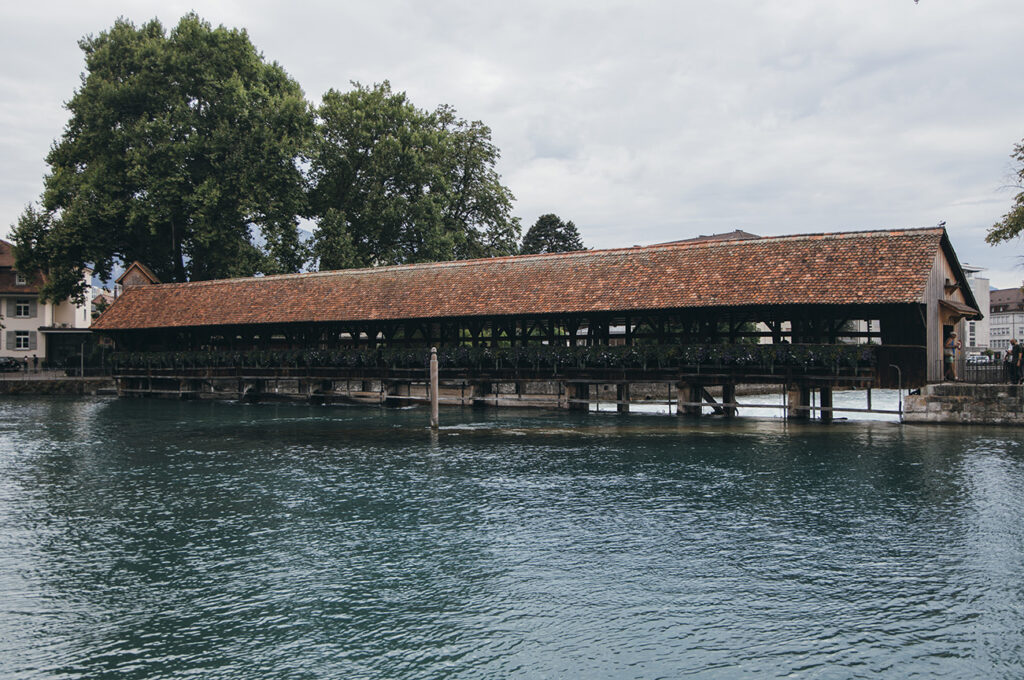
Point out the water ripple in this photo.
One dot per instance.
(156, 539)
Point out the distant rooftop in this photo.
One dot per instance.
(1009, 299)
(734, 235)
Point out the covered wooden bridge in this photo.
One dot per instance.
(810, 312)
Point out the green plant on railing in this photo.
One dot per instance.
(535, 357)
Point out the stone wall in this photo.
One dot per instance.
(966, 404)
(73, 386)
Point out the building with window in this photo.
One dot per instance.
(32, 327)
(977, 332)
(1006, 317)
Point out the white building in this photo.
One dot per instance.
(1006, 317)
(978, 333)
(31, 327)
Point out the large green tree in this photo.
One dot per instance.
(1012, 224)
(391, 183)
(181, 151)
(549, 234)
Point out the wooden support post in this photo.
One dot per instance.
(579, 391)
(826, 403)
(479, 392)
(706, 396)
(433, 389)
(799, 402)
(690, 396)
(622, 395)
(395, 389)
(729, 397)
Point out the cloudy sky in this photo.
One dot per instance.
(640, 121)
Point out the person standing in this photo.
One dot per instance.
(949, 355)
(35, 364)
(1016, 353)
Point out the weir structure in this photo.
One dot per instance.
(809, 314)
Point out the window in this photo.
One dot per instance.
(22, 309)
(20, 280)
(21, 339)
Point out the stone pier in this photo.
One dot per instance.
(962, 403)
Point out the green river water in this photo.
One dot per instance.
(160, 539)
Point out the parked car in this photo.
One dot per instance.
(10, 364)
(981, 359)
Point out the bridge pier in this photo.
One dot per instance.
(478, 392)
(581, 393)
(392, 390)
(799, 400)
(250, 391)
(689, 398)
(622, 396)
(729, 397)
(691, 394)
(826, 403)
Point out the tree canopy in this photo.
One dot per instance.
(391, 183)
(550, 234)
(187, 151)
(1012, 224)
(181, 152)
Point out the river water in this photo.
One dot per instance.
(145, 539)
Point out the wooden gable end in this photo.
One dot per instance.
(137, 274)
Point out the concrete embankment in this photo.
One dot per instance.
(961, 403)
(69, 386)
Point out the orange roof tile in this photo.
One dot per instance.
(870, 267)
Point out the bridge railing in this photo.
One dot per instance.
(538, 360)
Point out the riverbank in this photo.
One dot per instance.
(52, 382)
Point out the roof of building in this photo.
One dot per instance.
(142, 269)
(9, 277)
(868, 267)
(1011, 298)
(6, 254)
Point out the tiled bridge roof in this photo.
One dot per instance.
(869, 267)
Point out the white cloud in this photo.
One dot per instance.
(641, 122)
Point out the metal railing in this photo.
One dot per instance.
(985, 373)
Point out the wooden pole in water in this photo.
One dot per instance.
(433, 388)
